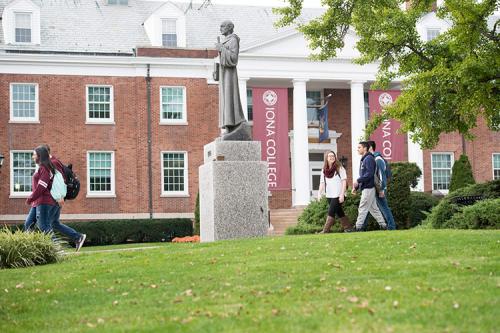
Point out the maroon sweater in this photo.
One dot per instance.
(41, 184)
(59, 166)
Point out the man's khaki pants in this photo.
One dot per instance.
(368, 204)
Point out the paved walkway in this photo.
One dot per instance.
(115, 250)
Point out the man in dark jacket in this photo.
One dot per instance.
(366, 184)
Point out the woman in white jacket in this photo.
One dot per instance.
(333, 184)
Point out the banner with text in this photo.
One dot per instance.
(270, 127)
(389, 143)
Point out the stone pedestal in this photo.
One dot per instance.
(233, 191)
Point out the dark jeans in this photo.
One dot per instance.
(30, 219)
(47, 219)
(335, 207)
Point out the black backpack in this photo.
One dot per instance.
(72, 182)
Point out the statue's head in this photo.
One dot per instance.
(226, 27)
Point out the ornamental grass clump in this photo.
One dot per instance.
(22, 249)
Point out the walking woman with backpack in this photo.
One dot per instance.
(333, 184)
(47, 208)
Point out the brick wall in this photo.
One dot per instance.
(479, 151)
(62, 112)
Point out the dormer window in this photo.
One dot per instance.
(23, 27)
(169, 32)
(432, 33)
(118, 2)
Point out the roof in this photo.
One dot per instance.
(92, 26)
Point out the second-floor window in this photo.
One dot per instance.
(173, 105)
(23, 27)
(24, 102)
(169, 32)
(118, 2)
(100, 104)
(313, 101)
(250, 104)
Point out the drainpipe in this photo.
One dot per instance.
(150, 163)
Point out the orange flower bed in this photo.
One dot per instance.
(187, 239)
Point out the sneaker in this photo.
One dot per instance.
(79, 243)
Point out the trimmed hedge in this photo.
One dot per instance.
(484, 214)
(107, 232)
(461, 174)
(23, 249)
(447, 207)
(197, 215)
(421, 205)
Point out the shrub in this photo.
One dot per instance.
(404, 177)
(302, 228)
(482, 215)
(421, 204)
(106, 232)
(197, 215)
(22, 249)
(461, 174)
(447, 207)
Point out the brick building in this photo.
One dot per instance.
(123, 90)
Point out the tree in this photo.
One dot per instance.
(448, 82)
(461, 174)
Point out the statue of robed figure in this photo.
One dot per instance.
(231, 116)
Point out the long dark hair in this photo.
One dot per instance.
(330, 172)
(43, 158)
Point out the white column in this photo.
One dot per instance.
(242, 83)
(358, 123)
(416, 155)
(300, 144)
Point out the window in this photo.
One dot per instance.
(100, 174)
(441, 164)
(313, 100)
(100, 104)
(173, 105)
(24, 102)
(432, 33)
(22, 169)
(496, 166)
(169, 32)
(23, 27)
(174, 173)
(250, 104)
(118, 2)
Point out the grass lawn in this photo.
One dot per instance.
(403, 281)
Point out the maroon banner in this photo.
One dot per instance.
(270, 127)
(389, 143)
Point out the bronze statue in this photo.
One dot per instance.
(231, 117)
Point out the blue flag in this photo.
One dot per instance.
(323, 123)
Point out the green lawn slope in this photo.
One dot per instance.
(403, 281)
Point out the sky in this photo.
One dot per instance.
(272, 3)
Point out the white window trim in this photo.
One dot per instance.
(431, 28)
(31, 28)
(101, 194)
(493, 165)
(111, 120)
(11, 164)
(184, 193)
(314, 123)
(451, 168)
(34, 120)
(176, 31)
(182, 121)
